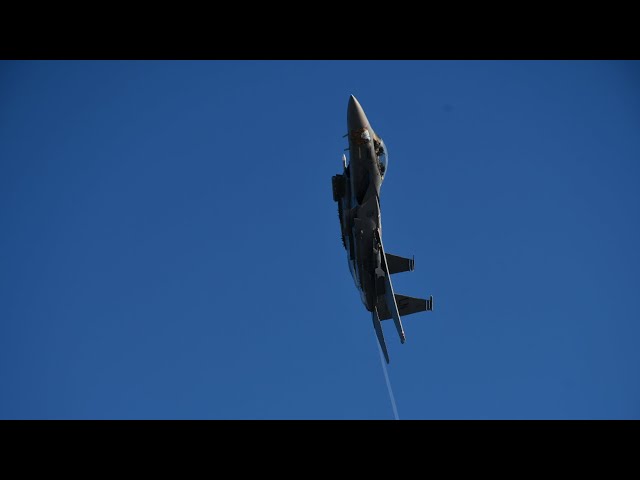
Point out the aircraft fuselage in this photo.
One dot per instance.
(357, 192)
(362, 204)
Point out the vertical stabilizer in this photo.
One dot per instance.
(390, 298)
(377, 325)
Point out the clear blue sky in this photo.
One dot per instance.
(169, 246)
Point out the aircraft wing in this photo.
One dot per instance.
(398, 264)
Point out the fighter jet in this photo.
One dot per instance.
(357, 192)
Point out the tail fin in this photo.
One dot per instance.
(378, 328)
(389, 296)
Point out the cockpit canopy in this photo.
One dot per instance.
(381, 153)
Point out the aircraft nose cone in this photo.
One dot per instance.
(356, 119)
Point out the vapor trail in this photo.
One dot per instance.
(386, 377)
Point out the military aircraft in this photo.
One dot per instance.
(357, 191)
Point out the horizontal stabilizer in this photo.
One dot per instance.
(406, 306)
(397, 264)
